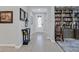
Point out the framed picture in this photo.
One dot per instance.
(6, 16)
(22, 14)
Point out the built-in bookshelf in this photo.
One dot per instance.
(76, 23)
(63, 20)
(58, 25)
(67, 18)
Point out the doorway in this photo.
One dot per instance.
(39, 19)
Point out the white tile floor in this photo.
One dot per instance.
(38, 43)
(70, 45)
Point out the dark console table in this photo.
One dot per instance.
(26, 36)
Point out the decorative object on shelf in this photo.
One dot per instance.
(22, 14)
(26, 36)
(6, 16)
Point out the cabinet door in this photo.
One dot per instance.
(77, 33)
(68, 33)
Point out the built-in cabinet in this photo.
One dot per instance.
(76, 23)
(66, 22)
(58, 25)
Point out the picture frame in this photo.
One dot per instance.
(6, 16)
(22, 14)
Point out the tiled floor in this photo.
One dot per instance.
(38, 43)
(70, 45)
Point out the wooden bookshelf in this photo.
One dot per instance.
(58, 25)
(63, 20)
(76, 29)
(67, 18)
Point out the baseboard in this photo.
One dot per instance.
(8, 45)
(18, 46)
(49, 38)
(11, 45)
(53, 41)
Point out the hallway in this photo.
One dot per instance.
(38, 43)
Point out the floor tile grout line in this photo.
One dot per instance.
(60, 47)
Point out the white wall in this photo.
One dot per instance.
(11, 33)
(49, 22)
(52, 24)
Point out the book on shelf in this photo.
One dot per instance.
(67, 19)
(67, 11)
(57, 23)
(57, 19)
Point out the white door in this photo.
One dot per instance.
(39, 22)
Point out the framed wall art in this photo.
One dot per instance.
(6, 16)
(22, 14)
